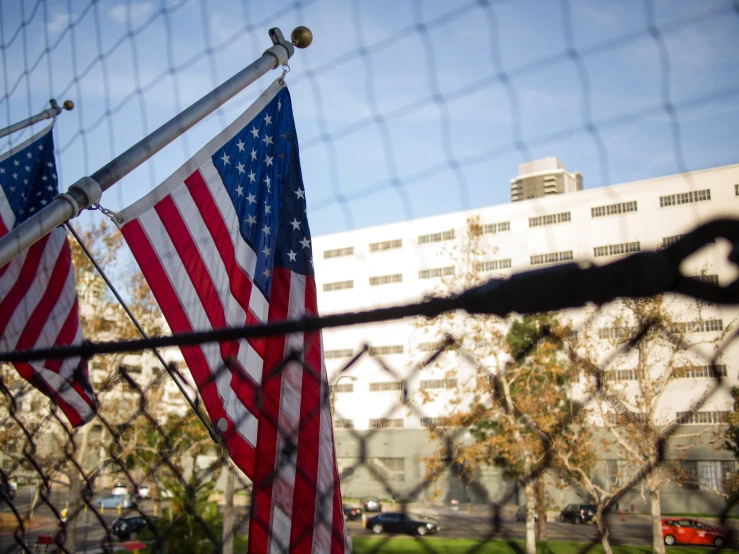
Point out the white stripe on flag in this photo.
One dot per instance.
(6, 212)
(245, 422)
(58, 316)
(69, 365)
(65, 390)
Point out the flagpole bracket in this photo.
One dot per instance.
(87, 190)
(281, 49)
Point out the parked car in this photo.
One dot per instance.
(351, 512)
(114, 500)
(398, 522)
(691, 531)
(371, 504)
(143, 491)
(128, 528)
(521, 514)
(577, 513)
(120, 488)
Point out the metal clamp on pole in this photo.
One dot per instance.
(49, 113)
(63, 207)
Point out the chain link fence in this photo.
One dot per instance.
(543, 398)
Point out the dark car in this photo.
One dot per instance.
(577, 513)
(351, 512)
(371, 504)
(9, 489)
(128, 528)
(398, 522)
(691, 531)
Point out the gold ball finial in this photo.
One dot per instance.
(68, 105)
(301, 37)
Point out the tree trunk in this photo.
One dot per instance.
(658, 544)
(228, 512)
(74, 509)
(530, 519)
(600, 520)
(541, 509)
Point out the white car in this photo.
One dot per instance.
(144, 491)
(120, 489)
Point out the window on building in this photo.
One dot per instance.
(385, 423)
(700, 326)
(684, 198)
(700, 371)
(389, 469)
(342, 387)
(552, 258)
(551, 219)
(707, 279)
(614, 209)
(712, 475)
(386, 279)
(386, 386)
(616, 249)
(338, 252)
(430, 384)
(385, 350)
(337, 354)
(617, 333)
(436, 237)
(385, 245)
(344, 423)
(669, 241)
(436, 272)
(622, 375)
(495, 228)
(702, 418)
(736, 190)
(430, 346)
(442, 421)
(339, 285)
(618, 471)
(494, 265)
(133, 369)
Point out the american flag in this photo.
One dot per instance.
(38, 300)
(224, 242)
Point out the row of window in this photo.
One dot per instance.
(697, 418)
(702, 418)
(684, 372)
(539, 221)
(616, 249)
(700, 326)
(389, 386)
(613, 209)
(684, 198)
(552, 258)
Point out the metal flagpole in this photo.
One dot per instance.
(213, 434)
(48, 113)
(88, 190)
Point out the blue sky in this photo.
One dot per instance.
(404, 109)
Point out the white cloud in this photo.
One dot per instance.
(135, 11)
(58, 22)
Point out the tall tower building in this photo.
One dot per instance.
(542, 178)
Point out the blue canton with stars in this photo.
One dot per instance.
(28, 177)
(260, 169)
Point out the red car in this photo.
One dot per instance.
(691, 531)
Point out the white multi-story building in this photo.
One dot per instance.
(403, 262)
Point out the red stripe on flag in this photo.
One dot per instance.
(261, 510)
(241, 452)
(306, 477)
(29, 373)
(22, 283)
(196, 269)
